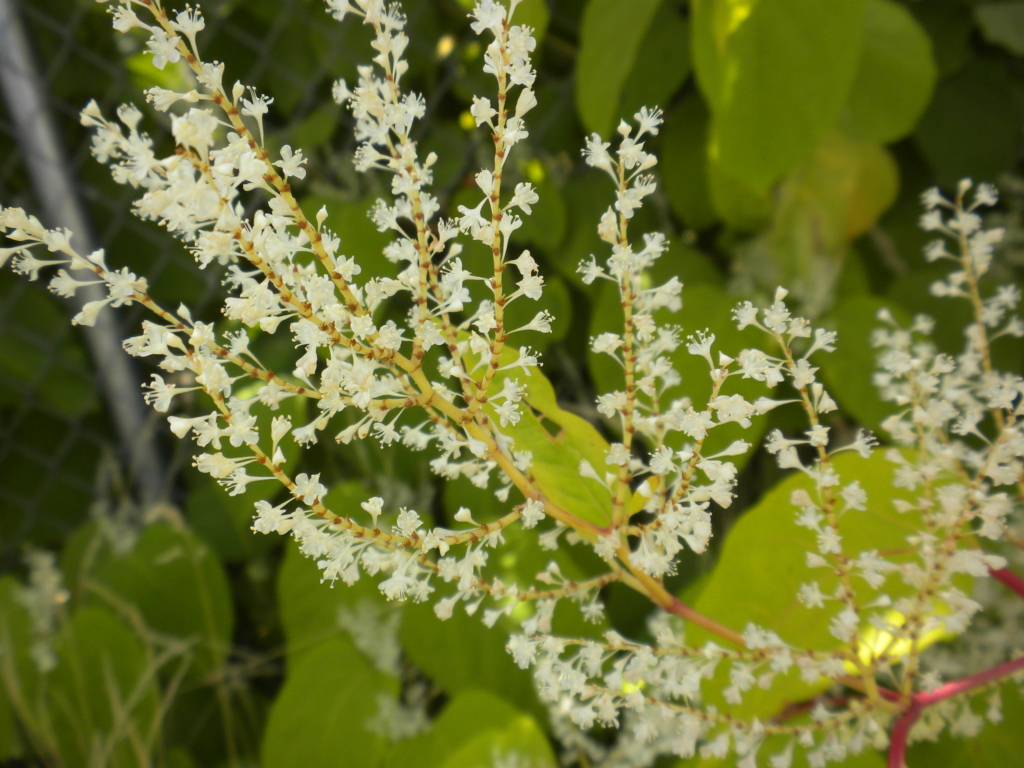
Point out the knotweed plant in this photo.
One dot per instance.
(454, 379)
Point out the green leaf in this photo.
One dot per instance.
(224, 521)
(662, 63)
(1002, 24)
(546, 226)
(997, 745)
(314, 129)
(102, 697)
(683, 167)
(556, 300)
(11, 746)
(776, 75)
(319, 717)
(521, 558)
(557, 459)
(557, 454)
(310, 609)
(533, 13)
(178, 586)
(471, 721)
(518, 740)
(767, 540)
(895, 77)
(610, 36)
(735, 202)
(848, 371)
(972, 126)
(837, 194)
(586, 196)
(461, 654)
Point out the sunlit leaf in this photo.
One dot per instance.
(833, 197)
(763, 563)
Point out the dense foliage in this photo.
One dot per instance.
(797, 137)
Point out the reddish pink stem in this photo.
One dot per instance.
(966, 683)
(898, 738)
(1010, 579)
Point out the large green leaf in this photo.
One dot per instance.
(556, 300)
(950, 26)
(472, 727)
(763, 563)
(895, 76)
(546, 226)
(178, 586)
(462, 654)
(518, 741)
(610, 38)
(734, 201)
(776, 74)
(319, 718)
(521, 557)
(836, 195)
(102, 696)
(11, 745)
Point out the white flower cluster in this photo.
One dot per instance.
(447, 380)
(44, 598)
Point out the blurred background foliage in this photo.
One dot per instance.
(799, 135)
